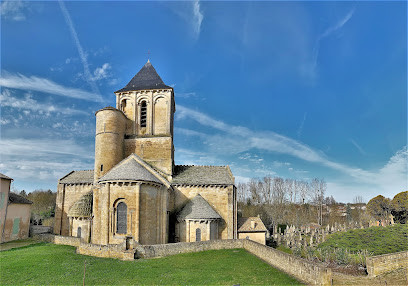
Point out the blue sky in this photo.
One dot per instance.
(292, 89)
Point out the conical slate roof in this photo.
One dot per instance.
(146, 78)
(82, 207)
(129, 170)
(198, 208)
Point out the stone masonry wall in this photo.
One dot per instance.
(306, 271)
(377, 265)
(58, 239)
(67, 195)
(220, 198)
(112, 251)
(161, 250)
(157, 151)
(66, 240)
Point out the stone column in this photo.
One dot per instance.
(208, 230)
(151, 111)
(158, 205)
(188, 230)
(137, 213)
(105, 190)
(71, 222)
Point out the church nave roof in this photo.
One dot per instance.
(202, 175)
(78, 177)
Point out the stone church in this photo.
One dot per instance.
(135, 189)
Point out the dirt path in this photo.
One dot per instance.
(397, 277)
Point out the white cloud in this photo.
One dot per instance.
(237, 139)
(190, 12)
(300, 130)
(361, 150)
(197, 19)
(39, 161)
(28, 103)
(81, 52)
(19, 81)
(42, 148)
(4, 121)
(186, 94)
(13, 10)
(330, 30)
(101, 72)
(388, 180)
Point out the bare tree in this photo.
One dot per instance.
(318, 188)
(358, 200)
(254, 192)
(289, 190)
(267, 190)
(242, 193)
(304, 191)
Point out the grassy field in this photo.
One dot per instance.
(377, 240)
(57, 264)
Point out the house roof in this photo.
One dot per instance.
(78, 177)
(198, 208)
(82, 207)
(146, 78)
(130, 170)
(244, 224)
(2, 176)
(202, 175)
(17, 199)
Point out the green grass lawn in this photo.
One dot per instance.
(378, 240)
(59, 265)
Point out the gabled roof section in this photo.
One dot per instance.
(146, 78)
(2, 176)
(78, 177)
(244, 225)
(17, 199)
(82, 207)
(202, 175)
(198, 208)
(133, 168)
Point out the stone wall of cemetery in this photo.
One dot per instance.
(377, 265)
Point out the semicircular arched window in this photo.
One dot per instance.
(121, 218)
(143, 114)
(123, 105)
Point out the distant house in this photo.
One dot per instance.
(252, 228)
(15, 212)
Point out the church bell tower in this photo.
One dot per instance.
(143, 118)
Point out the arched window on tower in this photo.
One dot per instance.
(123, 105)
(121, 218)
(143, 114)
(198, 234)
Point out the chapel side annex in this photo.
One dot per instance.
(135, 189)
